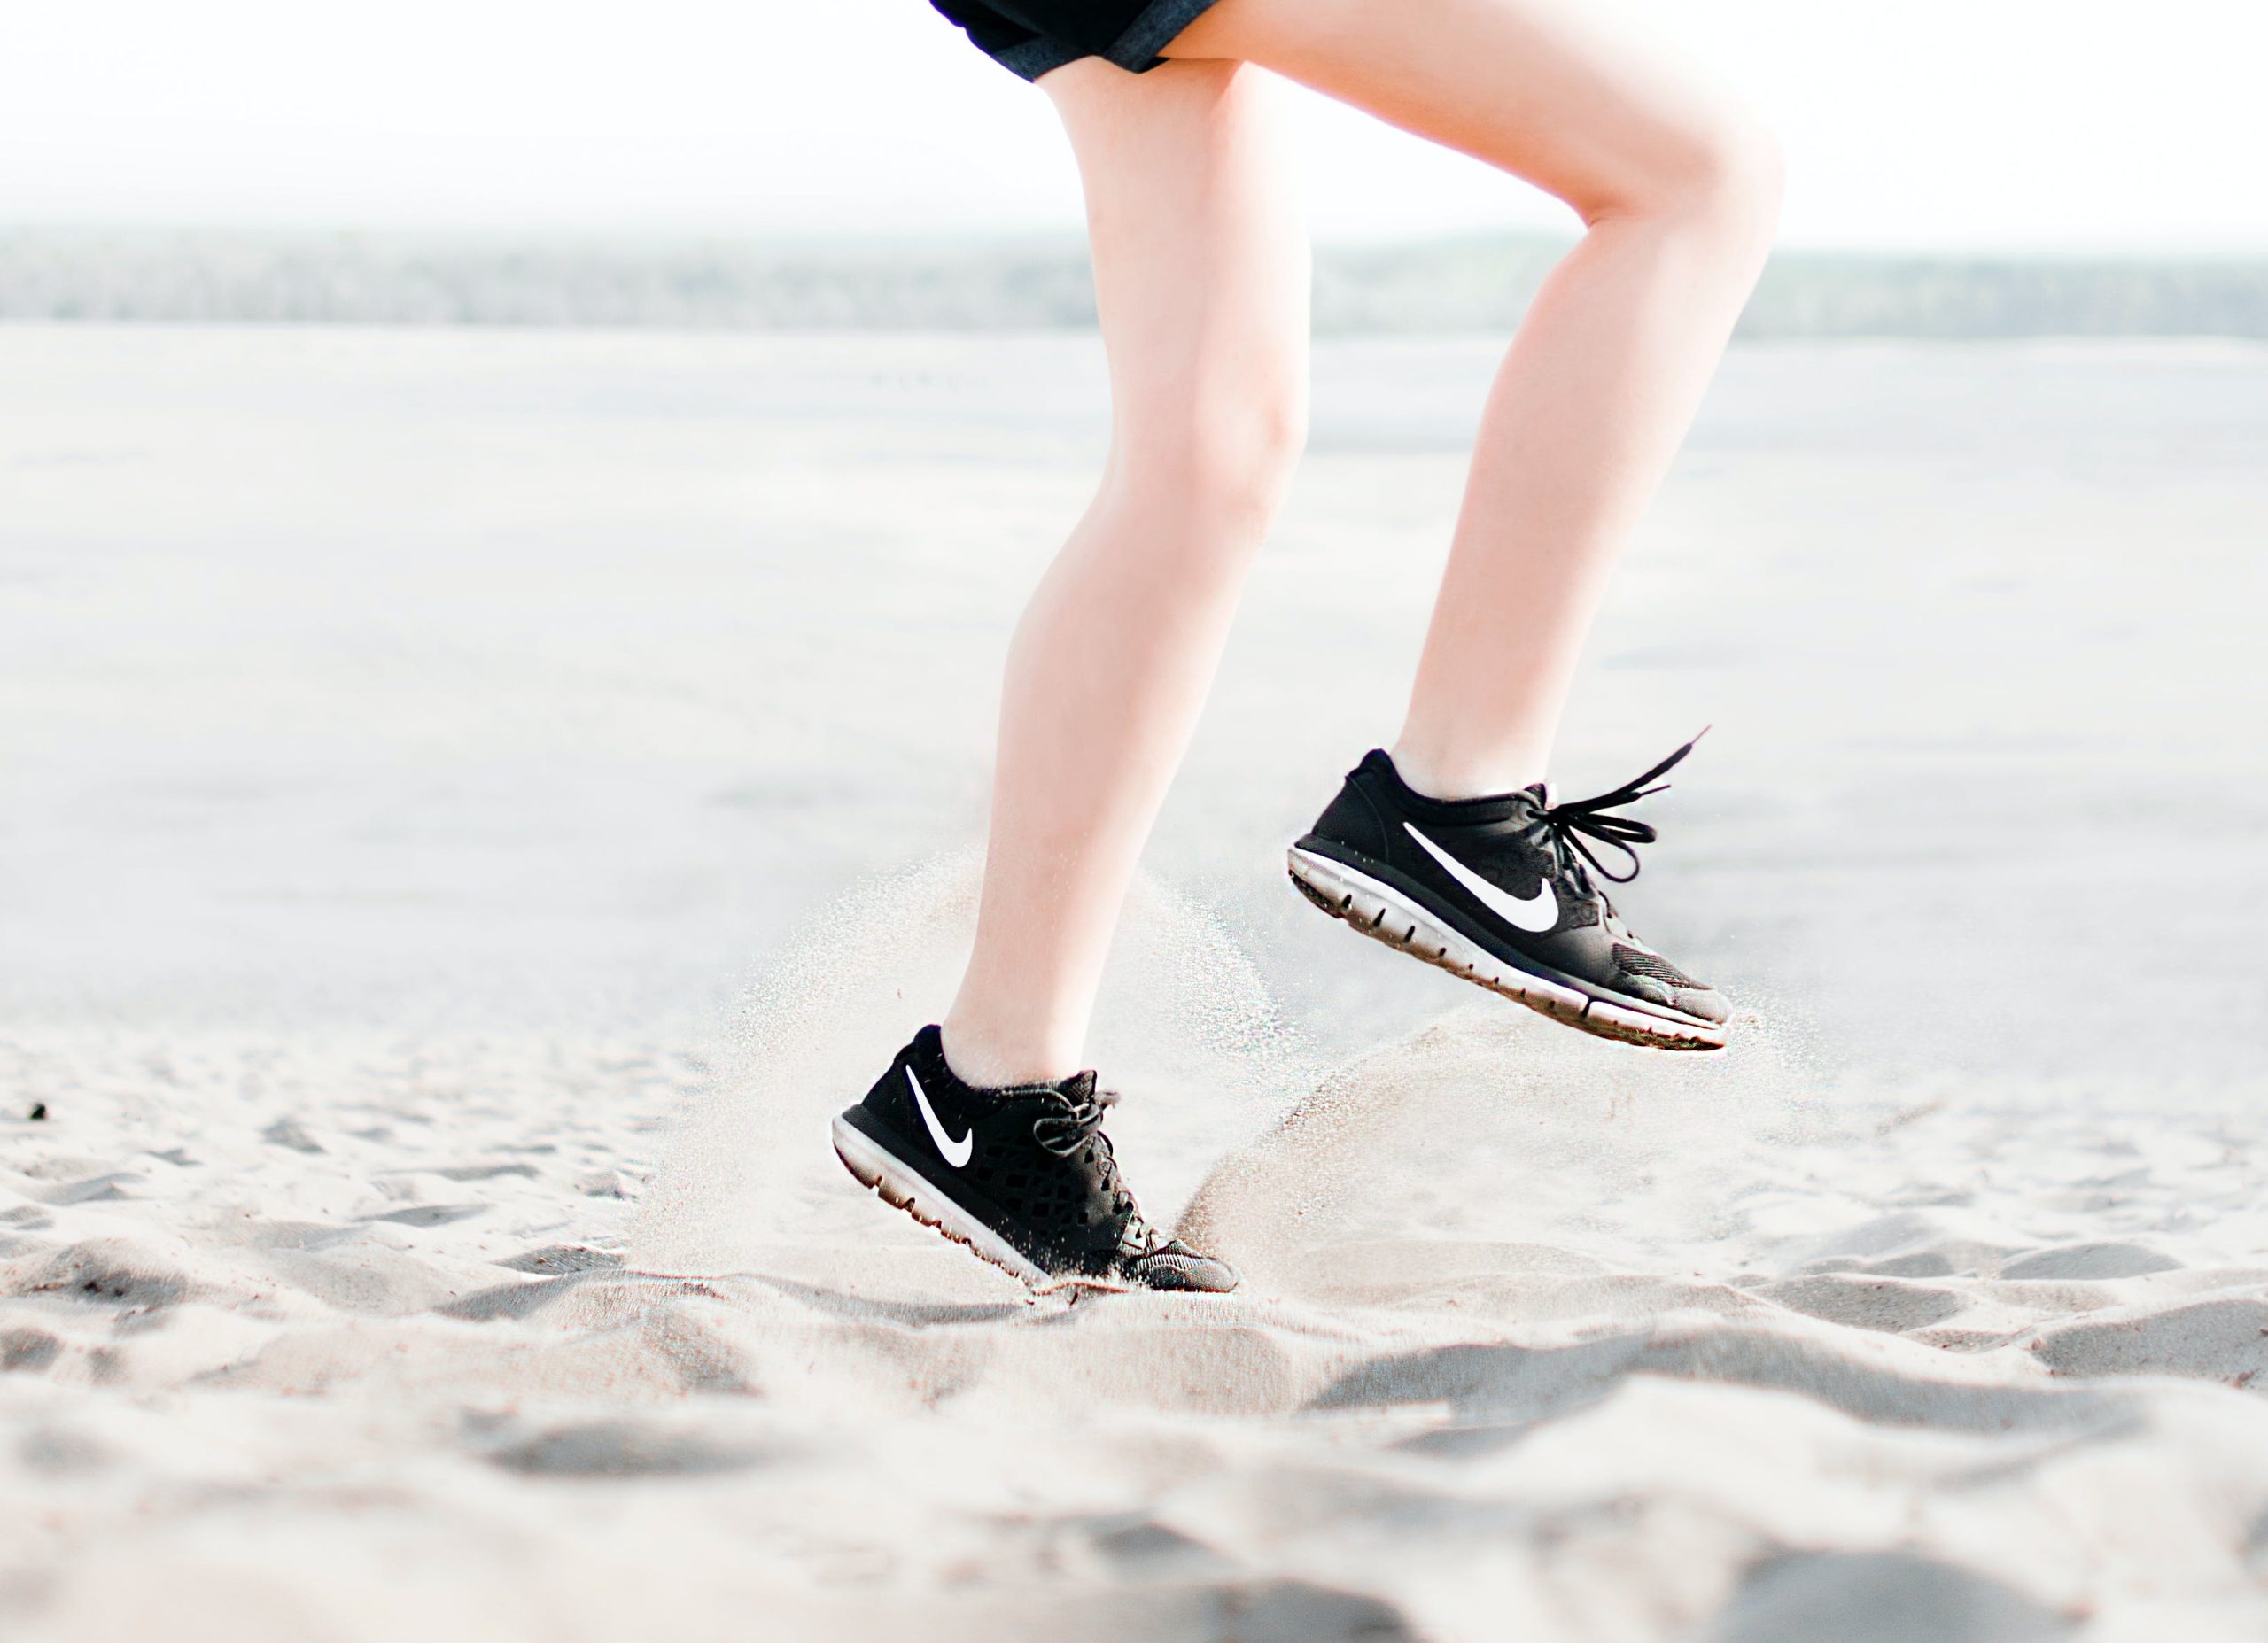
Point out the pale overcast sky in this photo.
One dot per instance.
(1941, 124)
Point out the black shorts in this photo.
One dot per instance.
(1029, 37)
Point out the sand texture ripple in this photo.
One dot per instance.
(1541, 1338)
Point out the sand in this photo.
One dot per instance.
(476, 804)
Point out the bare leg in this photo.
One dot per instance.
(1202, 278)
(1680, 192)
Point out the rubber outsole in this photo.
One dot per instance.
(901, 1186)
(1385, 914)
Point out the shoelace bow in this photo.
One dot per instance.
(1078, 1120)
(1570, 821)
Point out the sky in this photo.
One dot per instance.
(1933, 125)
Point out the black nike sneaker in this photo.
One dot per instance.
(1501, 891)
(1024, 1176)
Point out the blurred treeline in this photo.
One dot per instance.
(1445, 285)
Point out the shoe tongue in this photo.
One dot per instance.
(1542, 792)
(1078, 1087)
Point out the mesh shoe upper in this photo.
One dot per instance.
(1645, 961)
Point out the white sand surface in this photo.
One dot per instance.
(475, 805)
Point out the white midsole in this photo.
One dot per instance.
(879, 1168)
(1387, 915)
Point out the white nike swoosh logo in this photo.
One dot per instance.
(1535, 915)
(956, 1152)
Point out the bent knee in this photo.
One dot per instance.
(1724, 168)
(1744, 173)
(1226, 456)
(1245, 457)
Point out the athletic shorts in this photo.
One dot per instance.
(1028, 37)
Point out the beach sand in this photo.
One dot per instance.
(472, 805)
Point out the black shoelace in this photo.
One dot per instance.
(1073, 1124)
(1570, 821)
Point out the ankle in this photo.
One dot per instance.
(1437, 773)
(984, 1056)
